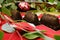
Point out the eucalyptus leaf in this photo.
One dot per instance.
(57, 37)
(1, 35)
(52, 9)
(9, 1)
(51, 1)
(13, 6)
(32, 35)
(47, 9)
(58, 5)
(1, 1)
(6, 11)
(6, 5)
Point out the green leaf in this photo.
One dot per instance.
(6, 11)
(8, 4)
(47, 9)
(13, 6)
(9, 1)
(52, 9)
(57, 37)
(0, 5)
(58, 5)
(33, 5)
(32, 35)
(51, 1)
(1, 35)
(1, 1)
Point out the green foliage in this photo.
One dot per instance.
(13, 6)
(1, 1)
(6, 11)
(52, 9)
(9, 1)
(7, 6)
(47, 9)
(33, 5)
(33, 35)
(58, 5)
(57, 37)
(51, 1)
(1, 35)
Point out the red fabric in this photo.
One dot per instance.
(14, 36)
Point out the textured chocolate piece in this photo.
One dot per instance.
(50, 21)
(31, 17)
